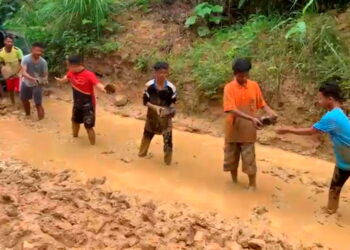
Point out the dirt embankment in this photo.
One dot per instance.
(160, 33)
(47, 210)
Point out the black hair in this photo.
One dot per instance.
(241, 65)
(331, 88)
(75, 60)
(9, 36)
(160, 65)
(38, 45)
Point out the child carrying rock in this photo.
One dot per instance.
(83, 84)
(160, 96)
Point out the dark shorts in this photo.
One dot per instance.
(340, 176)
(84, 114)
(28, 93)
(234, 151)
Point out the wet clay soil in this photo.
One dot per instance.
(292, 188)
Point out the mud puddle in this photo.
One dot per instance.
(292, 188)
(52, 210)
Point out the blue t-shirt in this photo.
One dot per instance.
(337, 125)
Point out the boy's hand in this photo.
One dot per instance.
(257, 123)
(60, 80)
(160, 110)
(273, 114)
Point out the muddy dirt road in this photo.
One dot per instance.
(292, 188)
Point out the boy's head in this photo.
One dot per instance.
(37, 49)
(9, 41)
(241, 68)
(75, 63)
(330, 94)
(161, 71)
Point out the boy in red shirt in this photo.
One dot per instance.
(83, 82)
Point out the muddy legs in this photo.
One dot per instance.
(12, 97)
(40, 111)
(333, 200)
(168, 145)
(252, 182)
(234, 175)
(145, 143)
(26, 106)
(92, 136)
(339, 179)
(90, 132)
(75, 129)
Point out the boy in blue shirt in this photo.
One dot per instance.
(337, 125)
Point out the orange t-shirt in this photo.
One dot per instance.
(248, 99)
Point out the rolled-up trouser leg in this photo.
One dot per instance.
(168, 147)
(145, 143)
(232, 153)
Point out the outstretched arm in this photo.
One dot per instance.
(101, 87)
(297, 131)
(62, 79)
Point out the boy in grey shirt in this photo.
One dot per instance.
(35, 73)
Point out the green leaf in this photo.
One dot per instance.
(86, 21)
(299, 28)
(200, 6)
(215, 19)
(204, 11)
(217, 9)
(203, 31)
(190, 21)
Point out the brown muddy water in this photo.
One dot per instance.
(291, 187)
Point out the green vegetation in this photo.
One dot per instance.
(205, 14)
(306, 49)
(67, 26)
(8, 8)
(243, 8)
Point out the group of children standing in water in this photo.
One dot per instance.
(242, 100)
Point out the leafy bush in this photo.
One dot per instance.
(205, 14)
(66, 26)
(244, 8)
(8, 8)
(210, 60)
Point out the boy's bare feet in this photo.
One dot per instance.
(329, 211)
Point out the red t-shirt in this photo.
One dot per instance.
(83, 85)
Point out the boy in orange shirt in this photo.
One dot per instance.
(242, 100)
